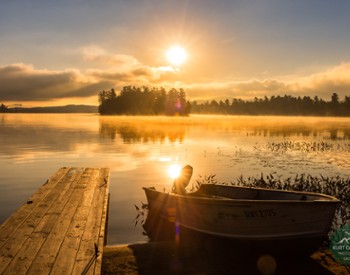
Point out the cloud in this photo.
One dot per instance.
(23, 82)
(101, 56)
(322, 84)
(336, 79)
(124, 69)
(121, 76)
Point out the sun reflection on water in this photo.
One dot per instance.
(174, 170)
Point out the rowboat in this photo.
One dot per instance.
(244, 213)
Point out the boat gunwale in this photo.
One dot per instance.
(266, 237)
(213, 199)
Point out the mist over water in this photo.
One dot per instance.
(139, 150)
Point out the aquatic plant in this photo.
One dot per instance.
(308, 147)
(141, 213)
(203, 180)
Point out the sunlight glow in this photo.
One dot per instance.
(164, 159)
(176, 55)
(174, 170)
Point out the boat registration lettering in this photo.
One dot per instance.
(263, 213)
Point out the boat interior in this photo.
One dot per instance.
(246, 193)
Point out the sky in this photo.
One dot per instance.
(67, 51)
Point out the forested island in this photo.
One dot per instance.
(3, 108)
(144, 101)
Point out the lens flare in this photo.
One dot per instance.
(267, 264)
(174, 171)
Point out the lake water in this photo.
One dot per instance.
(139, 151)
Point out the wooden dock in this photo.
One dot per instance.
(61, 229)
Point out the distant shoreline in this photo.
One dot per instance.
(86, 109)
(91, 109)
(55, 109)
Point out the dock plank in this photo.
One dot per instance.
(71, 242)
(56, 233)
(92, 238)
(11, 247)
(65, 221)
(8, 226)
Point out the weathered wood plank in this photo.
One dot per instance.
(58, 235)
(19, 216)
(91, 247)
(104, 223)
(71, 242)
(13, 244)
(104, 174)
(23, 260)
(45, 258)
(43, 228)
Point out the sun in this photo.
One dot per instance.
(176, 55)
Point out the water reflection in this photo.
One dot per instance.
(174, 129)
(22, 134)
(137, 132)
(139, 150)
(43, 138)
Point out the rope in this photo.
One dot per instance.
(93, 258)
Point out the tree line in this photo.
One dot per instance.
(143, 101)
(157, 101)
(3, 108)
(277, 105)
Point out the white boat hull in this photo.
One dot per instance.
(247, 219)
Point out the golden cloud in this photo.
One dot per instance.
(323, 85)
(336, 79)
(102, 57)
(24, 82)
